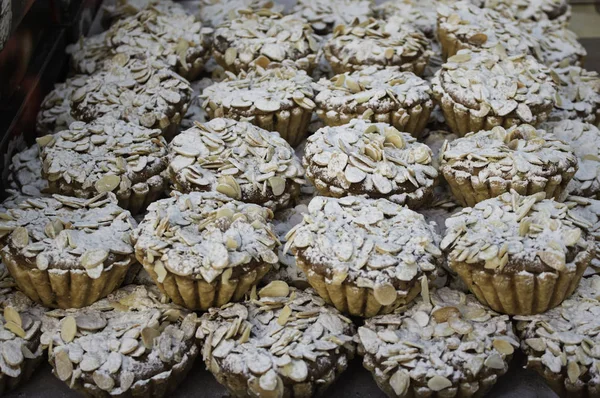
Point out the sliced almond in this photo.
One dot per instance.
(275, 289)
(68, 329)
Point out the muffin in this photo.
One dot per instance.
(263, 37)
(584, 138)
(365, 256)
(556, 45)
(55, 110)
(214, 12)
(24, 174)
(373, 42)
(480, 90)
(286, 269)
(445, 345)
(283, 342)
(324, 15)
(578, 95)
(585, 213)
(373, 159)
(20, 331)
(519, 255)
(107, 155)
(127, 8)
(130, 344)
(380, 95)
(463, 25)
(237, 159)
(277, 98)
(67, 252)
(557, 11)
(489, 163)
(175, 38)
(419, 13)
(205, 249)
(142, 92)
(560, 344)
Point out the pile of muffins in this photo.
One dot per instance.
(416, 182)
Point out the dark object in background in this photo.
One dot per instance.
(32, 60)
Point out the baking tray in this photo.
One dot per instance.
(356, 381)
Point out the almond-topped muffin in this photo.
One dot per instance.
(143, 92)
(324, 15)
(374, 42)
(253, 36)
(107, 155)
(480, 90)
(365, 256)
(20, 325)
(283, 342)
(584, 138)
(205, 249)
(237, 159)
(463, 25)
(520, 255)
(130, 344)
(278, 98)
(489, 163)
(67, 252)
(557, 11)
(176, 38)
(556, 45)
(373, 159)
(578, 96)
(420, 13)
(55, 110)
(214, 12)
(445, 345)
(127, 8)
(25, 174)
(561, 344)
(386, 95)
(585, 213)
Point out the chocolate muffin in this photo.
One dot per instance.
(372, 42)
(282, 342)
(489, 163)
(107, 155)
(237, 159)
(256, 38)
(480, 90)
(387, 95)
(278, 98)
(129, 344)
(446, 344)
(519, 255)
(67, 252)
(205, 249)
(373, 159)
(365, 256)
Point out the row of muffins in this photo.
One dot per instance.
(352, 297)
